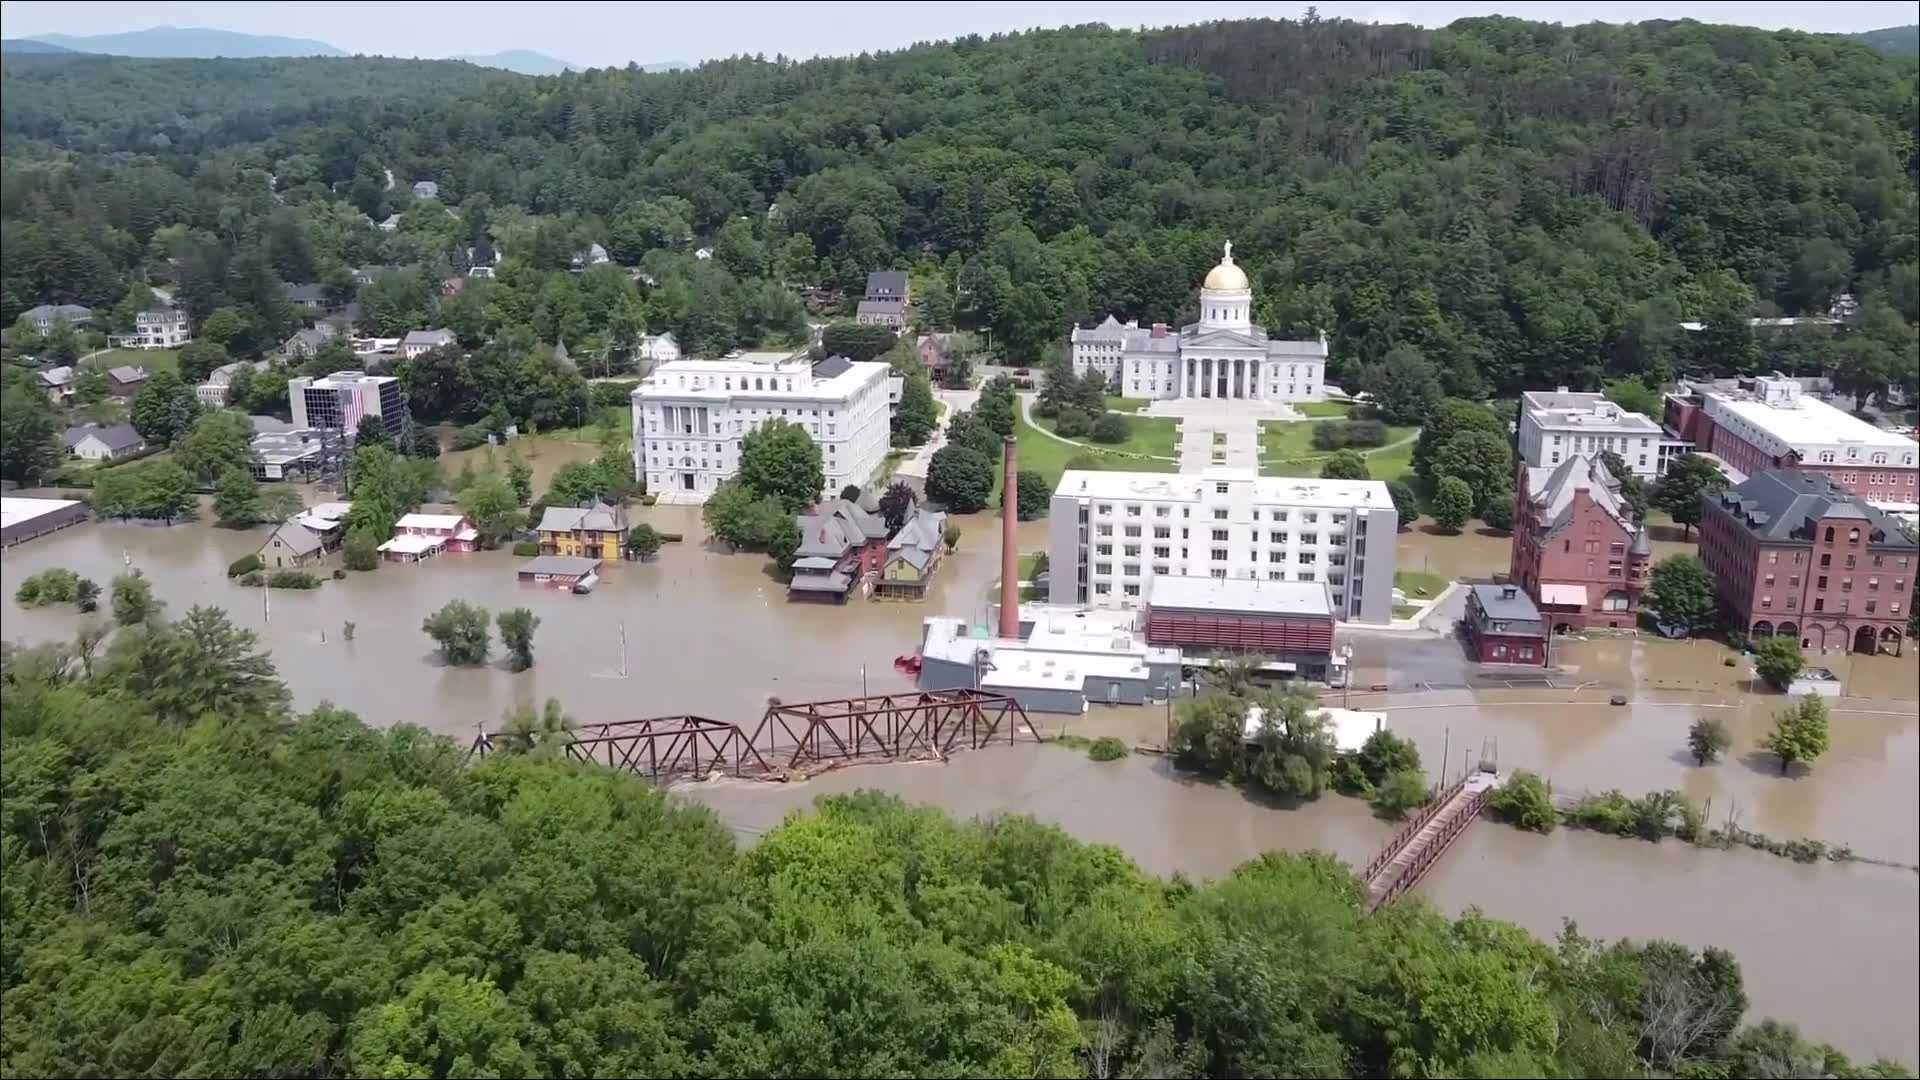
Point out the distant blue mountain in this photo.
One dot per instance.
(189, 42)
(1894, 40)
(30, 47)
(524, 61)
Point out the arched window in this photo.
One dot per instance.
(757, 385)
(1829, 534)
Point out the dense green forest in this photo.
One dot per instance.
(194, 881)
(1524, 204)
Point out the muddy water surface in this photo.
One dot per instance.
(1833, 948)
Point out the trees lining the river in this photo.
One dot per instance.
(197, 881)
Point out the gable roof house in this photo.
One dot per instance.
(591, 255)
(594, 531)
(886, 300)
(841, 544)
(126, 382)
(103, 443)
(1577, 550)
(292, 544)
(913, 554)
(420, 341)
(426, 189)
(305, 344)
(309, 297)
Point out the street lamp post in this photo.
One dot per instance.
(1346, 686)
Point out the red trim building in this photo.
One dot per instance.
(1504, 626)
(1577, 552)
(1289, 622)
(1797, 555)
(1765, 423)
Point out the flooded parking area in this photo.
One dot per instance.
(1834, 948)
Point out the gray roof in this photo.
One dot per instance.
(296, 538)
(128, 374)
(563, 565)
(831, 367)
(919, 538)
(887, 283)
(430, 338)
(1550, 490)
(881, 307)
(836, 526)
(1508, 602)
(836, 582)
(304, 293)
(596, 518)
(314, 338)
(269, 425)
(1783, 505)
(69, 312)
(58, 376)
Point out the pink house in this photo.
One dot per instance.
(422, 536)
(1576, 550)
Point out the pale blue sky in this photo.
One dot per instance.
(591, 34)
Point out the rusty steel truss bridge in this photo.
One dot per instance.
(791, 738)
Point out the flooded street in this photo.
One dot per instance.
(1833, 948)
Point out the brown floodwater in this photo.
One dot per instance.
(1833, 948)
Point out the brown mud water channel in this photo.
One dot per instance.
(1833, 948)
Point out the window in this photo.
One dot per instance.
(1308, 558)
(1219, 554)
(1773, 558)
(1769, 580)
(1871, 604)
(1103, 549)
(1792, 602)
(1105, 569)
(1819, 603)
(1160, 551)
(1219, 535)
(1220, 488)
(1103, 530)
(1102, 588)
(1853, 536)
(1131, 550)
(1107, 508)
(1276, 537)
(1276, 556)
(1160, 568)
(1829, 530)
(1821, 584)
(1310, 538)
(1131, 589)
(1220, 572)
(1162, 532)
(1133, 531)
(1131, 569)
(1133, 509)
(1306, 575)
(1161, 511)
(1219, 514)
(1766, 601)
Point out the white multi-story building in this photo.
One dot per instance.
(340, 400)
(1555, 426)
(690, 415)
(213, 392)
(1222, 356)
(160, 328)
(1770, 422)
(1111, 533)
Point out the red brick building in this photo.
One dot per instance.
(1285, 622)
(1505, 627)
(1795, 554)
(1577, 552)
(1764, 423)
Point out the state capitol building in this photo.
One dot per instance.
(1222, 356)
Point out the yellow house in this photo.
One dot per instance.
(912, 555)
(595, 532)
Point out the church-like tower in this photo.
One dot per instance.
(1226, 299)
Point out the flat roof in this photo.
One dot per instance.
(16, 509)
(1185, 487)
(560, 565)
(1575, 410)
(1239, 594)
(1808, 421)
(1350, 727)
(1042, 669)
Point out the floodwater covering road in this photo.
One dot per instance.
(1833, 948)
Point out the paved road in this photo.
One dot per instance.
(950, 401)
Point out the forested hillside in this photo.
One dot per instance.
(1524, 204)
(196, 883)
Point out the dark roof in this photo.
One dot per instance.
(831, 367)
(1506, 602)
(1782, 506)
(116, 438)
(301, 293)
(885, 283)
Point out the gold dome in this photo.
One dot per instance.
(1227, 278)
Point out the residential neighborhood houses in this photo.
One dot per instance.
(104, 443)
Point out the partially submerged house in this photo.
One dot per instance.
(912, 555)
(841, 545)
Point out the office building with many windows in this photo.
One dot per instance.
(1111, 533)
(690, 416)
(340, 400)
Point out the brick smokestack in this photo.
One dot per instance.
(1009, 543)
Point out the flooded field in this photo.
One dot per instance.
(1833, 948)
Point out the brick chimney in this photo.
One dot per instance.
(1009, 543)
(1159, 329)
